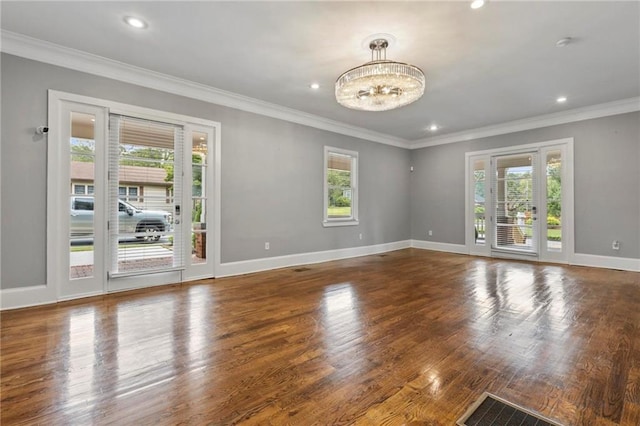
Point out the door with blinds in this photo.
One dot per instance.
(133, 198)
(519, 201)
(514, 193)
(144, 199)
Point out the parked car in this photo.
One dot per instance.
(131, 220)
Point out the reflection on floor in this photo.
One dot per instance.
(411, 337)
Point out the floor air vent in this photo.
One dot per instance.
(301, 269)
(489, 410)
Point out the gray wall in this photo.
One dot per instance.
(606, 183)
(271, 174)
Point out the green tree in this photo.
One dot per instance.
(82, 150)
(519, 192)
(339, 181)
(554, 189)
(132, 155)
(197, 161)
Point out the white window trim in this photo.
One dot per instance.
(350, 221)
(86, 186)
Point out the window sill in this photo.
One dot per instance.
(332, 223)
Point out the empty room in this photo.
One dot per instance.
(320, 212)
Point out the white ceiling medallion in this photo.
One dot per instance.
(381, 84)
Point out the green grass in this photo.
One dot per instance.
(552, 234)
(339, 211)
(75, 249)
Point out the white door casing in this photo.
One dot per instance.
(548, 251)
(59, 285)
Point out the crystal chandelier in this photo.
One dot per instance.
(380, 85)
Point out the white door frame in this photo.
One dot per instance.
(58, 187)
(568, 239)
(56, 267)
(197, 271)
(534, 250)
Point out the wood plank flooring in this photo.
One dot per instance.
(409, 337)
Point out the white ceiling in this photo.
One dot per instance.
(484, 67)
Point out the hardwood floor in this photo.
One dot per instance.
(409, 337)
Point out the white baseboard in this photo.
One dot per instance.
(13, 298)
(610, 262)
(264, 264)
(40, 295)
(578, 259)
(446, 247)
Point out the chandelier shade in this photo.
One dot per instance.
(380, 85)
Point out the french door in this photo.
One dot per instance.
(514, 195)
(131, 198)
(81, 212)
(520, 202)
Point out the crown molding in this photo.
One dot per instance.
(54, 54)
(586, 113)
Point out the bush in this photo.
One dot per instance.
(342, 201)
(553, 221)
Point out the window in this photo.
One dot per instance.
(340, 187)
(128, 193)
(82, 189)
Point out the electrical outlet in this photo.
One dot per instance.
(360, 236)
(615, 245)
(430, 232)
(266, 246)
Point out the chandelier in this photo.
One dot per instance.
(380, 85)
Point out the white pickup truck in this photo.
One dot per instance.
(148, 225)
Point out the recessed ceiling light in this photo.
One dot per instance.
(135, 22)
(477, 4)
(561, 99)
(93, 120)
(433, 127)
(314, 86)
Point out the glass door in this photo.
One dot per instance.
(553, 204)
(145, 187)
(82, 130)
(519, 202)
(199, 182)
(515, 209)
(478, 205)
